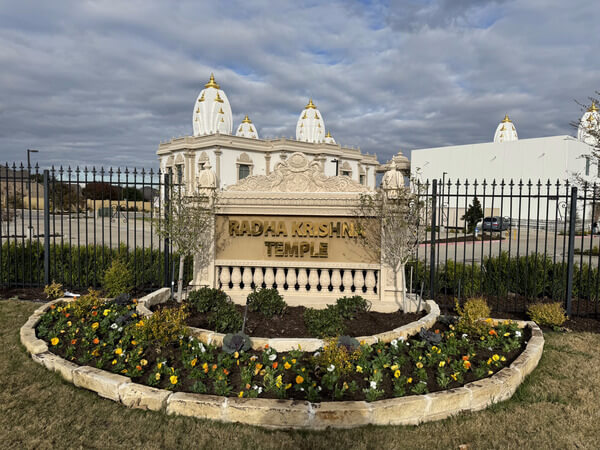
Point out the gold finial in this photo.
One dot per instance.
(304, 116)
(222, 120)
(198, 110)
(503, 128)
(328, 134)
(218, 98)
(212, 83)
(240, 130)
(221, 111)
(506, 119)
(246, 119)
(316, 116)
(251, 129)
(593, 108)
(318, 125)
(201, 99)
(301, 125)
(310, 105)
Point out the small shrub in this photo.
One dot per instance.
(348, 307)
(472, 315)
(117, 279)
(266, 301)
(225, 318)
(547, 314)
(206, 299)
(163, 327)
(338, 355)
(86, 303)
(54, 290)
(324, 322)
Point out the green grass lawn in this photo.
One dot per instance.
(555, 407)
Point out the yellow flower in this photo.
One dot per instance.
(442, 363)
(287, 386)
(54, 341)
(287, 365)
(409, 380)
(119, 351)
(236, 355)
(241, 394)
(160, 365)
(454, 375)
(345, 386)
(143, 362)
(495, 357)
(397, 374)
(506, 334)
(490, 372)
(489, 361)
(193, 362)
(482, 338)
(434, 349)
(173, 379)
(114, 361)
(133, 343)
(69, 323)
(140, 323)
(359, 369)
(106, 311)
(394, 367)
(157, 376)
(503, 359)
(293, 361)
(488, 320)
(419, 365)
(299, 379)
(95, 325)
(278, 381)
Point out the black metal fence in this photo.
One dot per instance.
(67, 225)
(525, 242)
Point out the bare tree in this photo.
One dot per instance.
(189, 226)
(590, 135)
(393, 221)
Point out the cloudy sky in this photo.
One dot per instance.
(103, 82)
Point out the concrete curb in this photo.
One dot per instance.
(410, 410)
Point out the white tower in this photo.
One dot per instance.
(212, 112)
(329, 138)
(590, 122)
(506, 131)
(247, 129)
(310, 126)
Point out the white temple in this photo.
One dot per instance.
(506, 131)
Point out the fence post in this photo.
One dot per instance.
(432, 267)
(166, 254)
(46, 227)
(571, 252)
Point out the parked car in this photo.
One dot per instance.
(495, 223)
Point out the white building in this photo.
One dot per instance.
(235, 156)
(547, 159)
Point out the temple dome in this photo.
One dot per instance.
(310, 126)
(590, 121)
(329, 138)
(247, 129)
(506, 131)
(212, 112)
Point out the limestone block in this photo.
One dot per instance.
(400, 411)
(509, 380)
(370, 340)
(135, 395)
(528, 360)
(287, 344)
(55, 363)
(217, 339)
(106, 384)
(484, 392)
(196, 405)
(446, 403)
(341, 414)
(202, 334)
(386, 336)
(155, 298)
(31, 342)
(267, 412)
(258, 343)
(143, 311)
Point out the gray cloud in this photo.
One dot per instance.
(94, 83)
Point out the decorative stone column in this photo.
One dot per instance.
(218, 154)
(267, 163)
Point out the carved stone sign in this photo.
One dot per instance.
(292, 238)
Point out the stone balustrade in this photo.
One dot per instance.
(300, 280)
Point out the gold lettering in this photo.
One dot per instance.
(234, 228)
(279, 249)
(297, 229)
(345, 229)
(304, 248)
(323, 229)
(281, 229)
(323, 250)
(308, 229)
(290, 249)
(269, 244)
(270, 228)
(335, 229)
(245, 228)
(257, 228)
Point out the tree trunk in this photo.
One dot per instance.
(180, 279)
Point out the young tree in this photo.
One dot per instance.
(473, 215)
(189, 225)
(393, 220)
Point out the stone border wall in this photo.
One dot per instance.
(410, 410)
(287, 344)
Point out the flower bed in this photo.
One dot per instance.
(112, 337)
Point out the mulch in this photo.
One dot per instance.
(291, 322)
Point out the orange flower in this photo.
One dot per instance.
(138, 367)
(94, 313)
(275, 364)
(493, 332)
(437, 331)
(67, 315)
(52, 306)
(299, 379)
(96, 341)
(214, 367)
(467, 364)
(73, 341)
(248, 386)
(266, 346)
(465, 358)
(226, 372)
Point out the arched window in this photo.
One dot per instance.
(244, 166)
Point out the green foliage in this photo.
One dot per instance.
(86, 303)
(117, 279)
(54, 290)
(164, 327)
(348, 307)
(266, 301)
(206, 299)
(324, 322)
(225, 318)
(547, 314)
(473, 215)
(472, 315)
